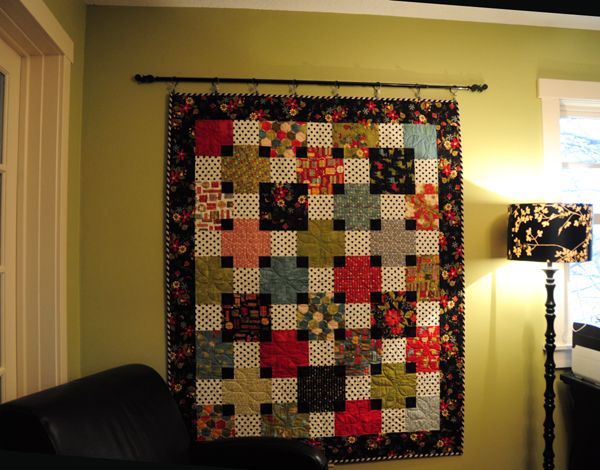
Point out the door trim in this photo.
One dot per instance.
(29, 27)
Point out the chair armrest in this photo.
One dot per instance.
(259, 453)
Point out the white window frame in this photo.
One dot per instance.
(554, 94)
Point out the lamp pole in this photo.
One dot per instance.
(550, 368)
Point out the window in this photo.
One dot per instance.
(571, 135)
(580, 182)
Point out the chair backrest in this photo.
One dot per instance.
(123, 413)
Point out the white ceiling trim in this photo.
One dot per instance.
(382, 8)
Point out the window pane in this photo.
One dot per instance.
(580, 140)
(581, 185)
(580, 143)
(584, 286)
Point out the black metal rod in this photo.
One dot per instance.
(142, 79)
(549, 366)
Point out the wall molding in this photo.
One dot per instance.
(433, 11)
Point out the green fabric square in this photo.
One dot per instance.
(235, 169)
(284, 280)
(393, 385)
(212, 354)
(321, 243)
(212, 280)
(357, 207)
(247, 391)
(422, 138)
(355, 139)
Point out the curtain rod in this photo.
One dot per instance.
(143, 79)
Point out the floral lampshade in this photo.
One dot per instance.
(550, 232)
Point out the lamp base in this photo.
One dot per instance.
(549, 369)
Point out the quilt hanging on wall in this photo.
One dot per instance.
(315, 271)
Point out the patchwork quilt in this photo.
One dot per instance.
(314, 268)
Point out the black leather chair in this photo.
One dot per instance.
(128, 413)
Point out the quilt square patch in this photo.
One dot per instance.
(357, 278)
(424, 349)
(213, 424)
(286, 421)
(283, 278)
(283, 206)
(421, 138)
(314, 272)
(284, 354)
(212, 279)
(357, 351)
(212, 136)
(320, 170)
(246, 391)
(321, 243)
(423, 207)
(212, 206)
(356, 207)
(392, 171)
(394, 386)
(321, 316)
(311, 380)
(246, 317)
(282, 138)
(245, 243)
(355, 139)
(234, 169)
(394, 314)
(358, 419)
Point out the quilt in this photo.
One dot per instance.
(314, 271)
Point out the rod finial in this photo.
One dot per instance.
(144, 78)
(479, 88)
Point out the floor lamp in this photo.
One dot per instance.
(551, 233)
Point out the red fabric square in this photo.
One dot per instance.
(284, 354)
(320, 171)
(211, 135)
(358, 419)
(424, 349)
(245, 243)
(357, 279)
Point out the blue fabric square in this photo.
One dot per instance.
(422, 138)
(284, 280)
(212, 354)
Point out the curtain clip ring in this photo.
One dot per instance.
(294, 88)
(214, 88)
(254, 86)
(453, 92)
(377, 90)
(418, 92)
(336, 89)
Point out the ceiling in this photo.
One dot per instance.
(550, 13)
(587, 8)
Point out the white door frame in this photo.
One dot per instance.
(10, 67)
(46, 51)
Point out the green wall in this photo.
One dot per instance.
(124, 128)
(72, 15)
